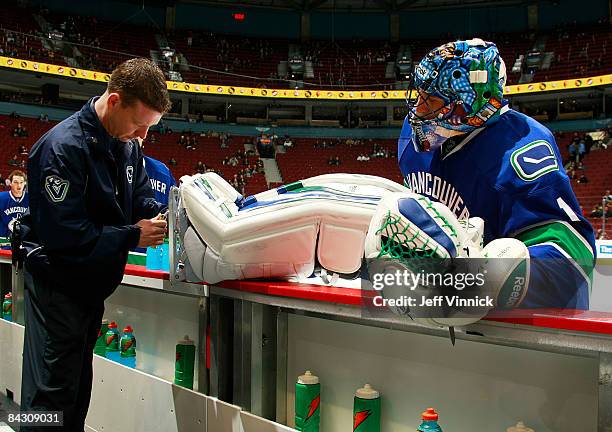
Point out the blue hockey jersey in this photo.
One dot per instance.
(510, 174)
(160, 177)
(12, 209)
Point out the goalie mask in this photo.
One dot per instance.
(456, 88)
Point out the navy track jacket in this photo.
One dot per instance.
(87, 190)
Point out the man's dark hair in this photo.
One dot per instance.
(140, 79)
(18, 173)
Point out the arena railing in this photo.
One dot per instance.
(315, 94)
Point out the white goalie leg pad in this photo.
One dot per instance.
(195, 250)
(212, 268)
(280, 233)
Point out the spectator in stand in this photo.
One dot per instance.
(573, 150)
(20, 131)
(200, 167)
(14, 161)
(597, 210)
(43, 118)
(334, 161)
(288, 143)
(588, 142)
(608, 196)
(193, 142)
(581, 150)
(22, 150)
(608, 138)
(583, 179)
(265, 146)
(172, 162)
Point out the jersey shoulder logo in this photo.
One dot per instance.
(57, 188)
(129, 172)
(534, 160)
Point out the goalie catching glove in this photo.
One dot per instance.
(419, 238)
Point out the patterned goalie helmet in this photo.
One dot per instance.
(456, 88)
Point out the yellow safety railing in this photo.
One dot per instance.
(83, 74)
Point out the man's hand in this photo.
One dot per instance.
(152, 231)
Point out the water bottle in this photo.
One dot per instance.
(112, 342)
(7, 307)
(430, 421)
(127, 346)
(184, 365)
(307, 401)
(100, 346)
(366, 410)
(153, 258)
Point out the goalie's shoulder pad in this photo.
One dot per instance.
(533, 163)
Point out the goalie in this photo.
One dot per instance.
(482, 181)
(462, 147)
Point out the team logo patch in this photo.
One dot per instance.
(534, 160)
(56, 188)
(129, 172)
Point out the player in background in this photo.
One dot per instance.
(463, 146)
(160, 177)
(13, 203)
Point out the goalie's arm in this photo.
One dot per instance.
(545, 215)
(561, 267)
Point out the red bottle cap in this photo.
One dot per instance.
(128, 329)
(8, 296)
(112, 324)
(430, 414)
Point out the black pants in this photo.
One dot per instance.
(60, 334)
